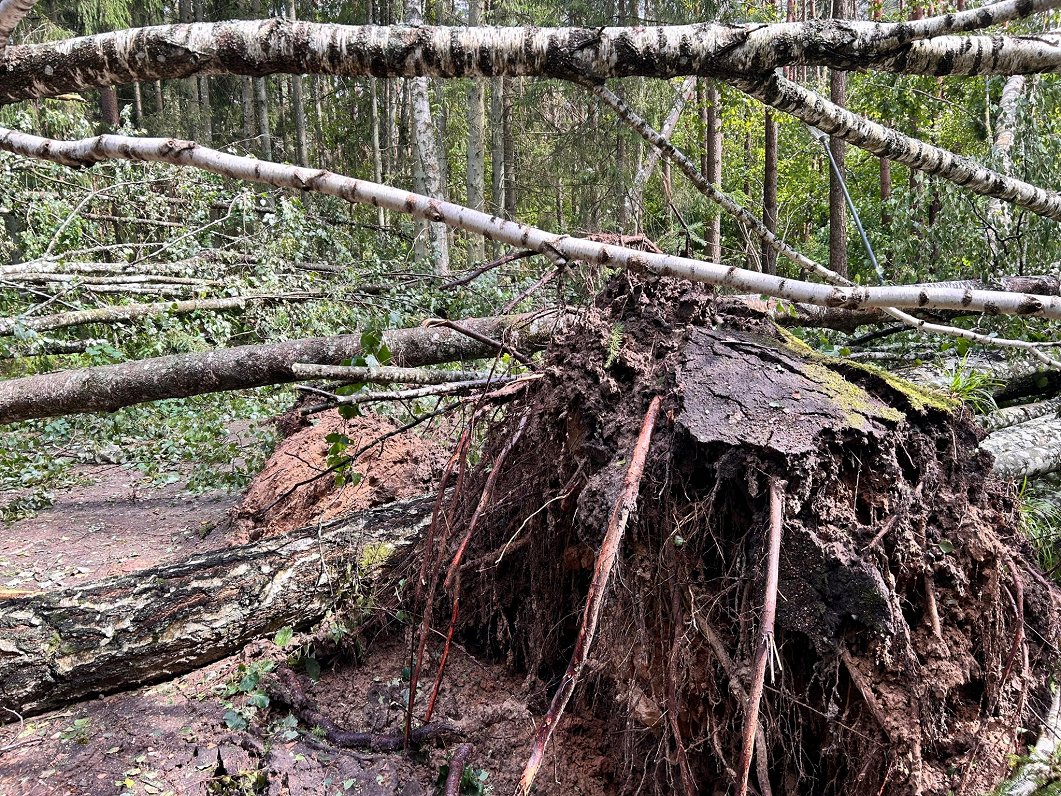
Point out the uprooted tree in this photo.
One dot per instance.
(767, 507)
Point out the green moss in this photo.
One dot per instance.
(919, 399)
(373, 555)
(847, 395)
(794, 343)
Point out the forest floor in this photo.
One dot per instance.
(172, 738)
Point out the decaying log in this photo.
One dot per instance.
(62, 646)
(1027, 450)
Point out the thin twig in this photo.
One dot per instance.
(766, 634)
(482, 269)
(602, 571)
(404, 395)
(482, 338)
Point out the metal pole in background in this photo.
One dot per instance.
(823, 139)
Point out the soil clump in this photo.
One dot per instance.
(913, 637)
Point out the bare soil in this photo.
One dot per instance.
(395, 468)
(172, 739)
(111, 525)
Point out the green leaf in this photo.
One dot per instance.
(283, 636)
(946, 546)
(235, 720)
(258, 700)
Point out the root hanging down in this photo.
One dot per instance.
(766, 634)
(602, 572)
(887, 611)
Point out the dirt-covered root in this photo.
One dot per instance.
(913, 638)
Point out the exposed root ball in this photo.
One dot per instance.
(912, 635)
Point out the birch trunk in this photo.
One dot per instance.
(838, 149)
(427, 150)
(727, 51)
(634, 209)
(205, 105)
(476, 175)
(138, 107)
(819, 112)
(998, 213)
(107, 388)
(297, 107)
(712, 165)
(509, 140)
(247, 105)
(190, 85)
(559, 248)
(769, 255)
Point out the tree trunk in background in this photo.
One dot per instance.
(261, 101)
(885, 163)
(138, 107)
(160, 101)
(751, 258)
(205, 106)
(633, 207)
(769, 255)
(999, 214)
(497, 145)
(510, 147)
(282, 124)
(297, 108)
(323, 158)
(476, 176)
(108, 107)
(190, 85)
(837, 208)
(711, 115)
(247, 105)
(377, 153)
(426, 150)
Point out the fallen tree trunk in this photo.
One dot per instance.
(110, 387)
(63, 646)
(132, 312)
(1027, 450)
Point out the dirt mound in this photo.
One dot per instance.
(295, 489)
(913, 637)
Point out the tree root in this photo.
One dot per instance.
(287, 690)
(595, 599)
(766, 634)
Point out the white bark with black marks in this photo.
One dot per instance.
(558, 248)
(263, 47)
(813, 109)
